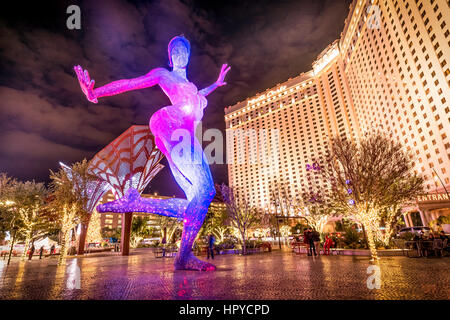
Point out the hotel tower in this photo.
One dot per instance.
(388, 71)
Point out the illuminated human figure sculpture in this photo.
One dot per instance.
(186, 110)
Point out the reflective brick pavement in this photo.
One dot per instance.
(276, 275)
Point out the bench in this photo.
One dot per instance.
(170, 252)
(298, 247)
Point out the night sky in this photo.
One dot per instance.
(44, 116)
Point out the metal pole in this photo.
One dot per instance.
(440, 181)
(278, 231)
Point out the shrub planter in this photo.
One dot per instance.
(230, 251)
(366, 252)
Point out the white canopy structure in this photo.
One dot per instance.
(46, 242)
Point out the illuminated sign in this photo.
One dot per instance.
(433, 197)
(321, 63)
(267, 95)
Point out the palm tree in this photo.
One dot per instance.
(68, 203)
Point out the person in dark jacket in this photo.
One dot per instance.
(316, 239)
(311, 238)
(32, 249)
(306, 239)
(210, 250)
(41, 252)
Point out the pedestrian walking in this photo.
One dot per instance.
(32, 249)
(41, 251)
(306, 240)
(316, 239)
(52, 250)
(312, 247)
(210, 250)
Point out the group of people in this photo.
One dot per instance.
(311, 238)
(41, 251)
(435, 242)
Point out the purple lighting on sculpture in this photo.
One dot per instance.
(184, 112)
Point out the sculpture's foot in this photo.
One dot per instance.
(129, 203)
(191, 262)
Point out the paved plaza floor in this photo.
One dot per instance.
(276, 275)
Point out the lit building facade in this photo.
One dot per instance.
(388, 71)
(272, 137)
(398, 73)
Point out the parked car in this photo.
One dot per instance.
(417, 230)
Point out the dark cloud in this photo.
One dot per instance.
(44, 118)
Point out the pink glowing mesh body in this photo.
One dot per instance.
(194, 177)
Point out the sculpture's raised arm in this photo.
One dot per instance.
(116, 87)
(220, 81)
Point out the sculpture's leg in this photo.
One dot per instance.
(196, 181)
(194, 216)
(132, 202)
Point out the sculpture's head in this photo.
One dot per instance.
(179, 50)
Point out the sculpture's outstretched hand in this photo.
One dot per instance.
(223, 72)
(86, 84)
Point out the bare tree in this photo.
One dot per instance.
(282, 203)
(315, 204)
(241, 215)
(169, 226)
(23, 211)
(26, 211)
(29, 202)
(368, 178)
(390, 217)
(216, 222)
(281, 199)
(311, 205)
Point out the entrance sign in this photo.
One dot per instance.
(430, 198)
